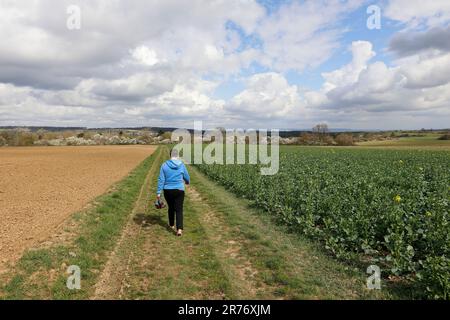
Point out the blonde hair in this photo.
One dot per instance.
(174, 153)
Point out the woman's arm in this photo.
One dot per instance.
(186, 176)
(161, 181)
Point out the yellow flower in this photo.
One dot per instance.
(397, 198)
(428, 213)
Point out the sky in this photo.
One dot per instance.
(283, 64)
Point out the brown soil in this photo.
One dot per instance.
(42, 186)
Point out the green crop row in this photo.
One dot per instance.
(391, 206)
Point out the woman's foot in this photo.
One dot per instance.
(179, 232)
(173, 228)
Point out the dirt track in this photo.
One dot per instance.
(41, 186)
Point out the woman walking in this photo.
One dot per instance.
(172, 176)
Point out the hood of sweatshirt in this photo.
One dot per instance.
(174, 163)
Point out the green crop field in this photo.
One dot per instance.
(428, 142)
(384, 207)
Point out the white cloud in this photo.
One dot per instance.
(267, 95)
(424, 71)
(183, 102)
(419, 13)
(126, 58)
(365, 90)
(213, 53)
(303, 34)
(144, 55)
(136, 87)
(189, 35)
(181, 106)
(362, 52)
(30, 105)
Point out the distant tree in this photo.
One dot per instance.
(328, 140)
(344, 139)
(321, 130)
(40, 133)
(446, 136)
(24, 138)
(145, 137)
(307, 138)
(5, 135)
(167, 135)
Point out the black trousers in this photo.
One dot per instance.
(175, 199)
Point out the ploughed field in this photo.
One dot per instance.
(388, 207)
(42, 186)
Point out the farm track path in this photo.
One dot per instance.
(150, 262)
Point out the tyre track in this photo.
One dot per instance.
(228, 249)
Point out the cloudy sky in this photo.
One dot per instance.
(232, 63)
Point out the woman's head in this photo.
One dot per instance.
(174, 153)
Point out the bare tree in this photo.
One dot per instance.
(321, 130)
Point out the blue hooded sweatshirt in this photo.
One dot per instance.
(172, 174)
